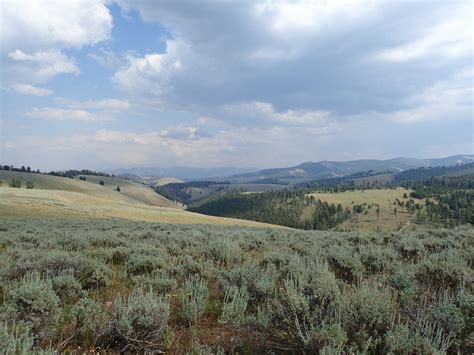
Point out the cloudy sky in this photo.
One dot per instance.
(101, 84)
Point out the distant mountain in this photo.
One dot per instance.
(183, 173)
(330, 169)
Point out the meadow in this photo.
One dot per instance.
(369, 220)
(59, 197)
(115, 285)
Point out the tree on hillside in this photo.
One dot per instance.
(30, 185)
(118, 188)
(15, 183)
(102, 182)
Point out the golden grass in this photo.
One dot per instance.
(131, 192)
(387, 219)
(38, 203)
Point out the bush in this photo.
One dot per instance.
(142, 264)
(16, 183)
(33, 300)
(95, 274)
(193, 297)
(234, 307)
(30, 185)
(90, 320)
(15, 339)
(66, 287)
(141, 320)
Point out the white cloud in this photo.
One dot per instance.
(449, 39)
(34, 33)
(59, 114)
(105, 104)
(39, 66)
(42, 24)
(26, 89)
(265, 112)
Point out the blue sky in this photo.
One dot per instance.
(104, 84)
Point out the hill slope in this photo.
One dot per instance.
(330, 169)
(59, 197)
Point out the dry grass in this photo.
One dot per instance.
(37, 203)
(131, 192)
(387, 219)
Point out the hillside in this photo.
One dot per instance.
(332, 169)
(130, 192)
(59, 197)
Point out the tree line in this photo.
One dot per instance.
(291, 208)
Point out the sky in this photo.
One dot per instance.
(105, 84)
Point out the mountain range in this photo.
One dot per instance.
(298, 173)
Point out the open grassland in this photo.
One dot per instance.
(386, 220)
(71, 285)
(65, 204)
(59, 197)
(131, 192)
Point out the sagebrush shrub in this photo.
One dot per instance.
(141, 320)
(235, 305)
(193, 297)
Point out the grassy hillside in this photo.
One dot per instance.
(130, 191)
(133, 190)
(135, 287)
(370, 221)
(70, 198)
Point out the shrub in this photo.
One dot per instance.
(95, 274)
(193, 297)
(16, 183)
(142, 264)
(367, 315)
(15, 339)
(90, 320)
(141, 320)
(30, 185)
(66, 287)
(33, 300)
(234, 307)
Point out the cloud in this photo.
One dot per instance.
(449, 39)
(35, 33)
(59, 114)
(302, 58)
(26, 89)
(39, 66)
(266, 113)
(105, 104)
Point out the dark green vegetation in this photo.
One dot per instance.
(450, 199)
(129, 286)
(285, 207)
(449, 194)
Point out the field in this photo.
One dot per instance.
(58, 197)
(72, 285)
(386, 220)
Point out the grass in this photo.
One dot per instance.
(109, 286)
(131, 192)
(387, 219)
(58, 197)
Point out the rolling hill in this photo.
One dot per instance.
(330, 169)
(58, 197)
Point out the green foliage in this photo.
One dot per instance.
(132, 286)
(30, 185)
(141, 320)
(193, 297)
(234, 307)
(16, 183)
